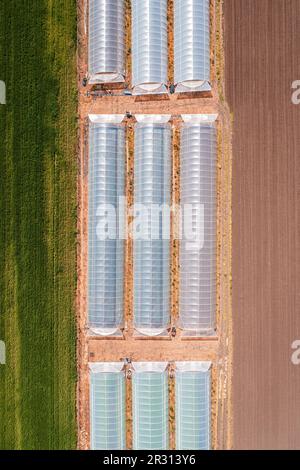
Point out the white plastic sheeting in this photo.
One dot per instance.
(152, 175)
(198, 189)
(150, 406)
(193, 406)
(106, 118)
(107, 406)
(191, 45)
(106, 41)
(105, 255)
(193, 366)
(149, 46)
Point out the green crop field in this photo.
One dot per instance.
(38, 224)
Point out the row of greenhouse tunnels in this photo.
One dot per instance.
(150, 403)
(149, 44)
(151, 221)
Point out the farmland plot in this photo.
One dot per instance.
(38, 224)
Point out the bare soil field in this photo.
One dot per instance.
(262, 40)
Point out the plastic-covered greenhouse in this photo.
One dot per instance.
(152, 179)
(193, 405)
(106, 41)
(191, 45)
(149, 46)
(150, 406)
(105, 255)
(198, 188)
(107, 406)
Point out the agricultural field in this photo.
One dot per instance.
(38, 224)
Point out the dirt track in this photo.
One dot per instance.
(262, 60)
